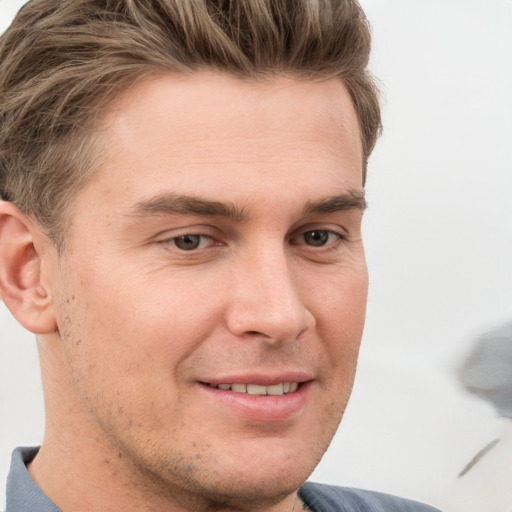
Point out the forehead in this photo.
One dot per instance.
(214, 134)
(196, 103)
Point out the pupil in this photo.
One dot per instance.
(316, 237)
(187, 242)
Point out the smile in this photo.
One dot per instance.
(281, 388)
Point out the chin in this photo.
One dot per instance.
(250, 491)
(239, 483)
(266, 479)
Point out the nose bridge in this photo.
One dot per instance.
(267, 298)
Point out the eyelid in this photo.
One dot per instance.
(339, 236)
(335, 229)
(210, 236)
(198, 230)
(168, 239)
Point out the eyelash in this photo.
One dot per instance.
(328, 245)
(202, 237)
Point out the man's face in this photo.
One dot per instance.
(211, 296)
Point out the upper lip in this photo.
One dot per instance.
(259, 378)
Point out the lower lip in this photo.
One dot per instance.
(262, 408)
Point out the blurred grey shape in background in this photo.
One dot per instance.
(487, 370)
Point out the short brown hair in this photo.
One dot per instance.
(61, 61)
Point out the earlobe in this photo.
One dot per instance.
(21, 287)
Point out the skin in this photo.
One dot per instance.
(131, 327)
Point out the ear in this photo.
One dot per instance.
(21, 287)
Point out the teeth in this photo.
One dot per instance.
(256, 389)
(277, 389)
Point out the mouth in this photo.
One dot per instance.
(281, 388)
(259, 399)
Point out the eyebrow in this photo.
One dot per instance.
(350, 200)
(172, 204)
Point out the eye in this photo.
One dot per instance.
(320, 237)
(191, 242)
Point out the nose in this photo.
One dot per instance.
(266, 299)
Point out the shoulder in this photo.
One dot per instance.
(329, 498)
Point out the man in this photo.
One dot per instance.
(182, 187)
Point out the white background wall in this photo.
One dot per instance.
(439, 243)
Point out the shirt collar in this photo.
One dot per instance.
(23, 494)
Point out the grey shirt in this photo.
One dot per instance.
(23, 494)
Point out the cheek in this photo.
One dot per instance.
(125, 346)
(143, 312)
(340, 309)
(118, 356)
(340, 301)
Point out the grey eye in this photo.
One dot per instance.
(187, 242)
(316, 238)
